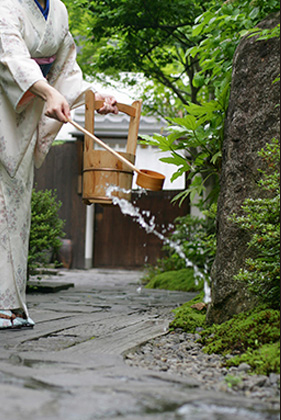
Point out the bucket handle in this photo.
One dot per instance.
(104, 145)
(127, 109)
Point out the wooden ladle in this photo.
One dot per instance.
(147, 179)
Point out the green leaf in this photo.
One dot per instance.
(254, 13)
(198, 29)
(180, 196)
(189, 122)
(176, 160)
(216, 156)
(192, 51)
(198, 80)
(178, 173)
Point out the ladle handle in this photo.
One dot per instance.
(104, 145)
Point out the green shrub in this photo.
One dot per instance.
(46, 228)
(176, 280)
(262, 219)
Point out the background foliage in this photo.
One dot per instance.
(181, 46)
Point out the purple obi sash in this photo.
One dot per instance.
(45, 64)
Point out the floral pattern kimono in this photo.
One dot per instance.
(26, 134)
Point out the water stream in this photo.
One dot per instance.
(148, 223)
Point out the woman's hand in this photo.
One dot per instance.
(56, 105)
(109, 105)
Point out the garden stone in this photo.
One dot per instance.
(228, 356)
(260, 381)
(244, 367)
(199, 329)
(274, 378)
(252, 121)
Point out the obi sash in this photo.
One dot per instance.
(45, 64)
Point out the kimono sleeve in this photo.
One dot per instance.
(66, 75)
(18, 72)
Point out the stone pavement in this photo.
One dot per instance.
(71, 367)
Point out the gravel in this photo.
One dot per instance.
(179, 353)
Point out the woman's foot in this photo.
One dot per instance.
(15, 319)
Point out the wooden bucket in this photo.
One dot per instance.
(105, 170)
(100, 167)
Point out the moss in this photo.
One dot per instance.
(252, 336)
(176, 280)
(248, 330)
(263, 361)
(187, 318)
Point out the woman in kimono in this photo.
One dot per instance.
(40, 82)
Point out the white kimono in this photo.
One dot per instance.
(26, 134)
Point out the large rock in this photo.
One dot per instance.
(252, 120)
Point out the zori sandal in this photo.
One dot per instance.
(13, 322)
(22, 323)
(5, 319)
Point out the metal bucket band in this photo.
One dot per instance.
(107, 170)
(97, 197)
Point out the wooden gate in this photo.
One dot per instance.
(120, 242)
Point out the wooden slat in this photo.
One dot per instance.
(134, 129)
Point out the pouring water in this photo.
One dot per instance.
(139, 216)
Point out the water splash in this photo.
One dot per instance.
(127, 208)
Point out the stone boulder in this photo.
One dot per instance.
(252, 121)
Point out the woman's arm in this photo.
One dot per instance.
(56, 105)
(58, 108)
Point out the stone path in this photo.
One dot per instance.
(71, 366)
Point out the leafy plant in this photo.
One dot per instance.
(196, 239)
(46, 228)
(195, 142)
(232, 381)
(261, 219)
